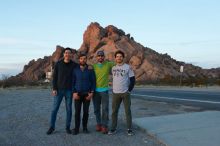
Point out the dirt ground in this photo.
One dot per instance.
(25, 114)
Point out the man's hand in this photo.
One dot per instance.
(110, 83)
(75, 96)
(89, 97)
(54, 92)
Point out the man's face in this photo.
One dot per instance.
(100, 58)
(82, 60)
(67, 55)
(119, 58)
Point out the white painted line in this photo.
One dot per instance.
(178, 91)
(181, 99)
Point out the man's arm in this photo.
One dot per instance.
(73, 82)
(55, 76)
(132, 83)
(93, 84)
(93, 80)
(111, 64)
(74, 91)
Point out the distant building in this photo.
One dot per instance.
(49, 75)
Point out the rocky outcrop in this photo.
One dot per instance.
(36, 70)
(148, 65)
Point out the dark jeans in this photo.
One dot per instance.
(57, 101)
(101, 103)
(78, 105)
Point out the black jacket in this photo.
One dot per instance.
(62, 75)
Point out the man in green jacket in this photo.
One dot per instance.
(101, 97)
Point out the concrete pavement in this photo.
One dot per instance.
(189, 129)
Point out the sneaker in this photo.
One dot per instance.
(111, 132)
(98, 127)
(130, 132)
(75, 131)
(50, 131)
(85, 130)
(68, 131)
(104, 130)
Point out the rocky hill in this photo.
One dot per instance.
(149, 66)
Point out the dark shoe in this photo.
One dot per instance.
(50, 131)
(130, 132)
(111, 132)
(68, 131)
(75, 131)
(98, 127)
(104, 130)
(85, 130)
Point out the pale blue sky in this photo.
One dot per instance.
(188, 30)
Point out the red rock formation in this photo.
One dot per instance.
(147, 64)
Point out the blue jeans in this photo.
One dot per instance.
(57, 101)
(101, 100)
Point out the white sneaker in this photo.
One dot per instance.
(111, 132)
(130, 132)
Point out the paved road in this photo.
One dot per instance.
(201, 97)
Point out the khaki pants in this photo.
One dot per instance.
(116, 101)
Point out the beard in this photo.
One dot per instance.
(82, 64)
(100, 60)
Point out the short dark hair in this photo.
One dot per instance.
(81, 54)
(120, 52)
(67, 49)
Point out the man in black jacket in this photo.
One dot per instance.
(62, 87)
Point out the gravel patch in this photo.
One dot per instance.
(25, 114)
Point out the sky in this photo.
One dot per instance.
(187, 30)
